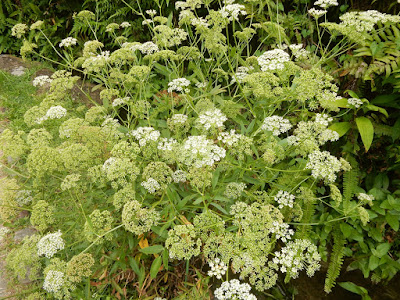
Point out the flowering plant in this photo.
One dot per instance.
(204, 148)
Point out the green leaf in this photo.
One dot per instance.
(393, 221)
(165, 256)
(155, 266)
(359, 290)
(134, 265)
(346, 229)
(373, 262)
(381, 250)
(341, 127)
(377, 108)
(215, 178)
(152, 249)
(366, 130)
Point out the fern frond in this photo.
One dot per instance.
(350, 183)
(386, 130)
(308, 208)
(336, 260)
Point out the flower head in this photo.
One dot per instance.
(50, 244)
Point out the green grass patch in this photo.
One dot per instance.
(17, 95)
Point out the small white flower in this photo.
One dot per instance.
(68, 42)
(166, 144)
(233, 289)
(284, 199)
(212, 119)
(148, 48)
(151, 12)
(54, 281)
(240, 74)
(3, 232)
(365, 198)
(179, 119)
(201, 84)
(326, 3)
(198, 151)
(179, 85)
(151, 185)
(50, 244)
(179, 176)
(218, 268)
(317, 13)
(232, 11)
(41, 80)
(273, 60)
(56, 112)
(125, 25)
(323, 165)
(147, 22)
(145, 135)
(276, 124)
(355, 102)
(120, 101)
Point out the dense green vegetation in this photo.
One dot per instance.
(250, 140)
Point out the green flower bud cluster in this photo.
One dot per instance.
(42, 215)
(137, 219)
(97, 226)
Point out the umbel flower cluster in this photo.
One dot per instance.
(212, 160)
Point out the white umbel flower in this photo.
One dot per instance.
(317, 13)
(151, 12)
(284, 199)
(145, 135)
(151, 185)
(326, 3)
(273, 60)
(148, 48)
(282, 231)
(68, 42)
(323, 165)
(120, 101)
(125, 25)
(179, 85)
(54, 112)
(41, 80)
(218, 268)
(179, 176)
(179, 119)
(232, 11)
(54, 281)
(276, 124)
(366, 198)
(50, 244)
(198, 151)
(296, 256)
(212, 119)
(354, 102)
(233, 289)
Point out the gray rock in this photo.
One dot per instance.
(18, 71)
(3, 281)
(20, 234)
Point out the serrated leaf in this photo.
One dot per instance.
(366, 130)
(393, 221)
(346, 229)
